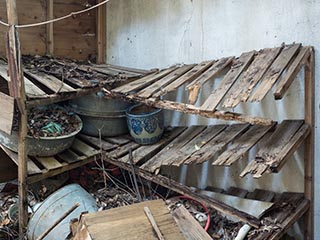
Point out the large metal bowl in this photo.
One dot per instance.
(42, 146)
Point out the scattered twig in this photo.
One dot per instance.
(134, 175)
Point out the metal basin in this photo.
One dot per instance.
(99, 114)
(42, 146)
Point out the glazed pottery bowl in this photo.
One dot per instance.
(146, 124)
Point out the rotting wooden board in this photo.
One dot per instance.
(242, 145)
(189, 76)
(290, 147)
(214, 70)
(51, 82)
(190, 228)
(251, 77)
(122, 150)
(143, 82)
(274, 72)
(6, 113)
(162, 157)
(145, 152)
(130, 222)
(120, 140)
(227, 82)
(163, 82)
(182, 154)
(32, 90)
(292, 72)
(98, 143)
(272, 148)
(216, 144)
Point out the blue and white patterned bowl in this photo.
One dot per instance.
(146, 124)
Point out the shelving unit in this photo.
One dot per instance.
(247, 78)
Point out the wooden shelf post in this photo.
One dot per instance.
(101, 33)
(309, 96)
(17, 90)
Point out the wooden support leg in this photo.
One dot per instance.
(309, 144)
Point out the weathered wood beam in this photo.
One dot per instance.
(101, 33)
(18, 92)
(49, 30)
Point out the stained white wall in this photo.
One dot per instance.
(159, 33)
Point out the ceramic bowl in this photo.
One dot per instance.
(145, 124)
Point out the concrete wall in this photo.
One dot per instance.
(159, 33)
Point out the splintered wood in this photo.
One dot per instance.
(247, 78)
(130, 222)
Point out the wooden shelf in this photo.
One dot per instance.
(248, 78)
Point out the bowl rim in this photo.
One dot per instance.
(128, 112)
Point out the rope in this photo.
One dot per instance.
(57, 19)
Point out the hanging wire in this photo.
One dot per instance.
(59, 18)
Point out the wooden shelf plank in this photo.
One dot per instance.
(227, 82)
(80, 146)
(251, 77)
(214, 70)
(274, 72)
(49, 163)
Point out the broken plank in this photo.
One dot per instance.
(213, 71)
(189, 76)
(162, 157)
(85, 149)
(274, 72)
(182, 154)
(292, 72)
(145, 152)
(190, 228)
(251, 77)
(143, 82)
(49, 162)
(31, 89)
(290, 148)
(242, 145)
(195, 86)
(272, 147)
(157, 86)
(216, 144)
(239, 65)
(51, 82)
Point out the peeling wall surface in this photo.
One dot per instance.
(153, 33)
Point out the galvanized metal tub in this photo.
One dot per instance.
(42, 146)
(101, 114)
(54, 207)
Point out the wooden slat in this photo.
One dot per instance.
(189, 76)
(33, 168)
(227, 82)
(6, 113)
(99, 143)
(120, 140)
(163, 156)
(274, 72)
(123, 150)
(182, 154)
(216, 144)
(163, 82)
(49, 162)
(242, 145)
(292, 72)
(145, 152)
(290, 148)
(79, 146)
(251, 77)
(143, 82)
(213, 71)
(31, 89)
(190, 228)
(273, 146)
(69, 156)
(51, 82)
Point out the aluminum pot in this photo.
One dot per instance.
(101, 114)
